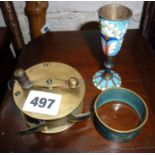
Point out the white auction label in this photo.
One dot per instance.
(42, 102)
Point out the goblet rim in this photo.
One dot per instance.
(129, 14)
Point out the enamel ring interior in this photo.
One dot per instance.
(72, 99)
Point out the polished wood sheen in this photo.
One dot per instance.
(36, 11)
(136, 65)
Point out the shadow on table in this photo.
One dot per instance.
(59, 142)
(95, 47)
(93, 25)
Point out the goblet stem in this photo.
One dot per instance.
(107, 75)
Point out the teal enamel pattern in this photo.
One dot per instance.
(125, 96)
(103, 84)
(112, 35)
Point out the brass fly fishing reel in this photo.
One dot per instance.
(52, 78)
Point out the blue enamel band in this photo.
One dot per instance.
(126, 96)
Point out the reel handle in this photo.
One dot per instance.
(79, 117)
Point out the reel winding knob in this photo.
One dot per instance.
(73, 82)
(22, 78)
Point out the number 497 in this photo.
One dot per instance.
(42, 102)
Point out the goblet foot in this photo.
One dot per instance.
(103, 83)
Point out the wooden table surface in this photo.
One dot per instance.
(136, 65)
(7, 60)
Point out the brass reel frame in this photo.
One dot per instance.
(72, 98)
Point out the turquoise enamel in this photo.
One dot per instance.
(131, 99)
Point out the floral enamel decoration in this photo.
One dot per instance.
(110, 45)
(112, 34)
(111, 30)
(113, 20)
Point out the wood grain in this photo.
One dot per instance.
(135, 63)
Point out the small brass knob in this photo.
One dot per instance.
(73, 82)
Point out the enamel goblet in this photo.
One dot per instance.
(113, 20)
